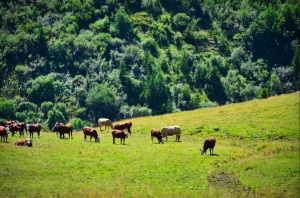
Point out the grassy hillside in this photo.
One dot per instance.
(257, 154)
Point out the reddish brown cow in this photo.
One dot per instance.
(122, 126)
(156, 133)
(62, 129)
(34, 128)
(3, 133)
(119, 134)
(25, 142)
(209, 143)
(88, 131)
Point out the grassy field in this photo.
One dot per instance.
(257, 155)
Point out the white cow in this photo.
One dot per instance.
(105, 122)
(169, 131)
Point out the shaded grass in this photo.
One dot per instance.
(257, 154)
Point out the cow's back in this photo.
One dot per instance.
(170, 130)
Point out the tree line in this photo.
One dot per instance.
(76, 61)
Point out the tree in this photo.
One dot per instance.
(122, 26)
(275, 87)
(7, 109)
(54, 116)
(41, 89)
(102, 101)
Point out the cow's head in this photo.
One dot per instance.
(29, 142)
(126, 134)
(202, 151)
(162, 140)
(54, 129)
(98, 139)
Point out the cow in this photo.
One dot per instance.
(62, 129)
(156, 133)
(104, 122)
(34, 128)
(13, 128)
(88, 131)
(3, 133)
(25, 142)
(209, 143)
(22, 127)
(119, 134)
(122, 126)
(169, 131)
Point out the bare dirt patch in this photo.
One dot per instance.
(228, 180)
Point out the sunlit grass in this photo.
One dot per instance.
(257, 154)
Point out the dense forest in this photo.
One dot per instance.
(79, 60)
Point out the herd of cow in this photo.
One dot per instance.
(118, 131)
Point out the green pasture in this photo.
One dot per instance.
(256, 155)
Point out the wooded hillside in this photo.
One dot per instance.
(78, 60)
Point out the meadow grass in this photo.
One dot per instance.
(256, 155)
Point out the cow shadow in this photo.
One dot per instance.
(214, 154)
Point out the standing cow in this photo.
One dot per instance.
(156, 133)
(34, 128)
(119, 134)
(104, 122)
(122, 126)
(3, 133)
(170, 131)
(62, 129)
(88, 131)
(209, 143)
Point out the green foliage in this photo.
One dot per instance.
(7, 109)
(54, 116)
(102, 101)
(263, 93)
(228, 50)
(77, 123)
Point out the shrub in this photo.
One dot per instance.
(263, 93)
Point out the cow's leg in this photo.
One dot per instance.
(113, 140)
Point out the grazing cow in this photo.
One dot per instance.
(104, 122)
(3, 133)
(26, 142)
(88, 131)
(171, 130)
(209, 143)
(156, 133)
(122, 126)
(119, 134)
(34, 128)
(62, 129)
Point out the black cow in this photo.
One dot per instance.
(209, 143)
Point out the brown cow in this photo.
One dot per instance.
(26, 142)
(122, 126)
(34, 128)
(119, 134)
(22, 127)
(156, 133)
(88, 131)
(104, 122)
(3, 133)
(171, 130)
(62, 129)
(209, 143)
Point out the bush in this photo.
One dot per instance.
(77, 123)
(263, 93)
